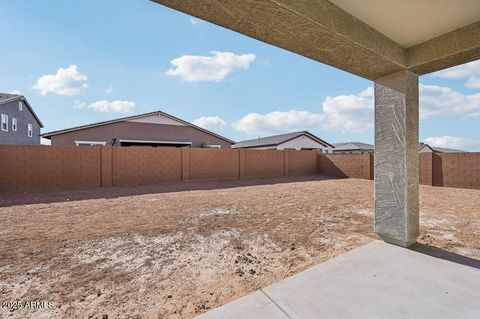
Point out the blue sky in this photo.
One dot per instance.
(79, 62)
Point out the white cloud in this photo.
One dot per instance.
(470, 71)
(109, 90)
(212, 123)
(438, 100)
(194, 21)
(346, 113)
(279, 122)
(354, 113)
(350, 113)
(460, 71)
(65, 82)
(17, 92)
(215, 68)
(454, 142)
(473, 82)
(108, 106)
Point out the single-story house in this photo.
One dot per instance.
(351, 148)
(150, 129)
(291, 141)
(425, 148)
(18, 122)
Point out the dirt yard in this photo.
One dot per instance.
(171, 252)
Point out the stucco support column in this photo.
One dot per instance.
(396, 158)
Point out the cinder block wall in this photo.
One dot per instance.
(260, 163)
(346, 165)
(208, 164)
(146, 165)
(425, 167)
(461, 170)
(301, 163)
(456, 170)
(30, 167)
(26, 168)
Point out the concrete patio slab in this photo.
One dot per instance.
(378, 280)
(255, 305)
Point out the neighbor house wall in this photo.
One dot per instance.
(129, 130)
(23, 117)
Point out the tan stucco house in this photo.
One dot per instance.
(150, 129)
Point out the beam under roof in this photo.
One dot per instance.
(450, 49)
(315, 29)
(319, 30)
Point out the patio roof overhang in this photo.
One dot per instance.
(391, 42)
(369, 38)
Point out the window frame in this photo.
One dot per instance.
(90, 143)
(20, 105)
(14, 124)
(29, 130)
(4, 121)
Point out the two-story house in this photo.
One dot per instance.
(18, 122)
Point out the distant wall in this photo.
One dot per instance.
(460, 170)
(346, 165)
(456, 170)
(26, 168)
(30, 167)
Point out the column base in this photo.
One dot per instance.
(397, 242)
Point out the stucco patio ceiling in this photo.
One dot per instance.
(369, 38)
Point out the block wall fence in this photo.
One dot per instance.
(461, 170)
(25, 168)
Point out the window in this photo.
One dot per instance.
(4, 122)
(30, 130)
(89, 143)
(14, 124)
(20, 105)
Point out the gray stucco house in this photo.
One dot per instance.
(18, 122)
(157, 129)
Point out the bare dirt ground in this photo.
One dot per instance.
(170, 252)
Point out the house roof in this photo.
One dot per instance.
(353, 146)
(350, 146)
(7, 98)
(277, 139)
(48, 135)
(422, 145)
(446, 150)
